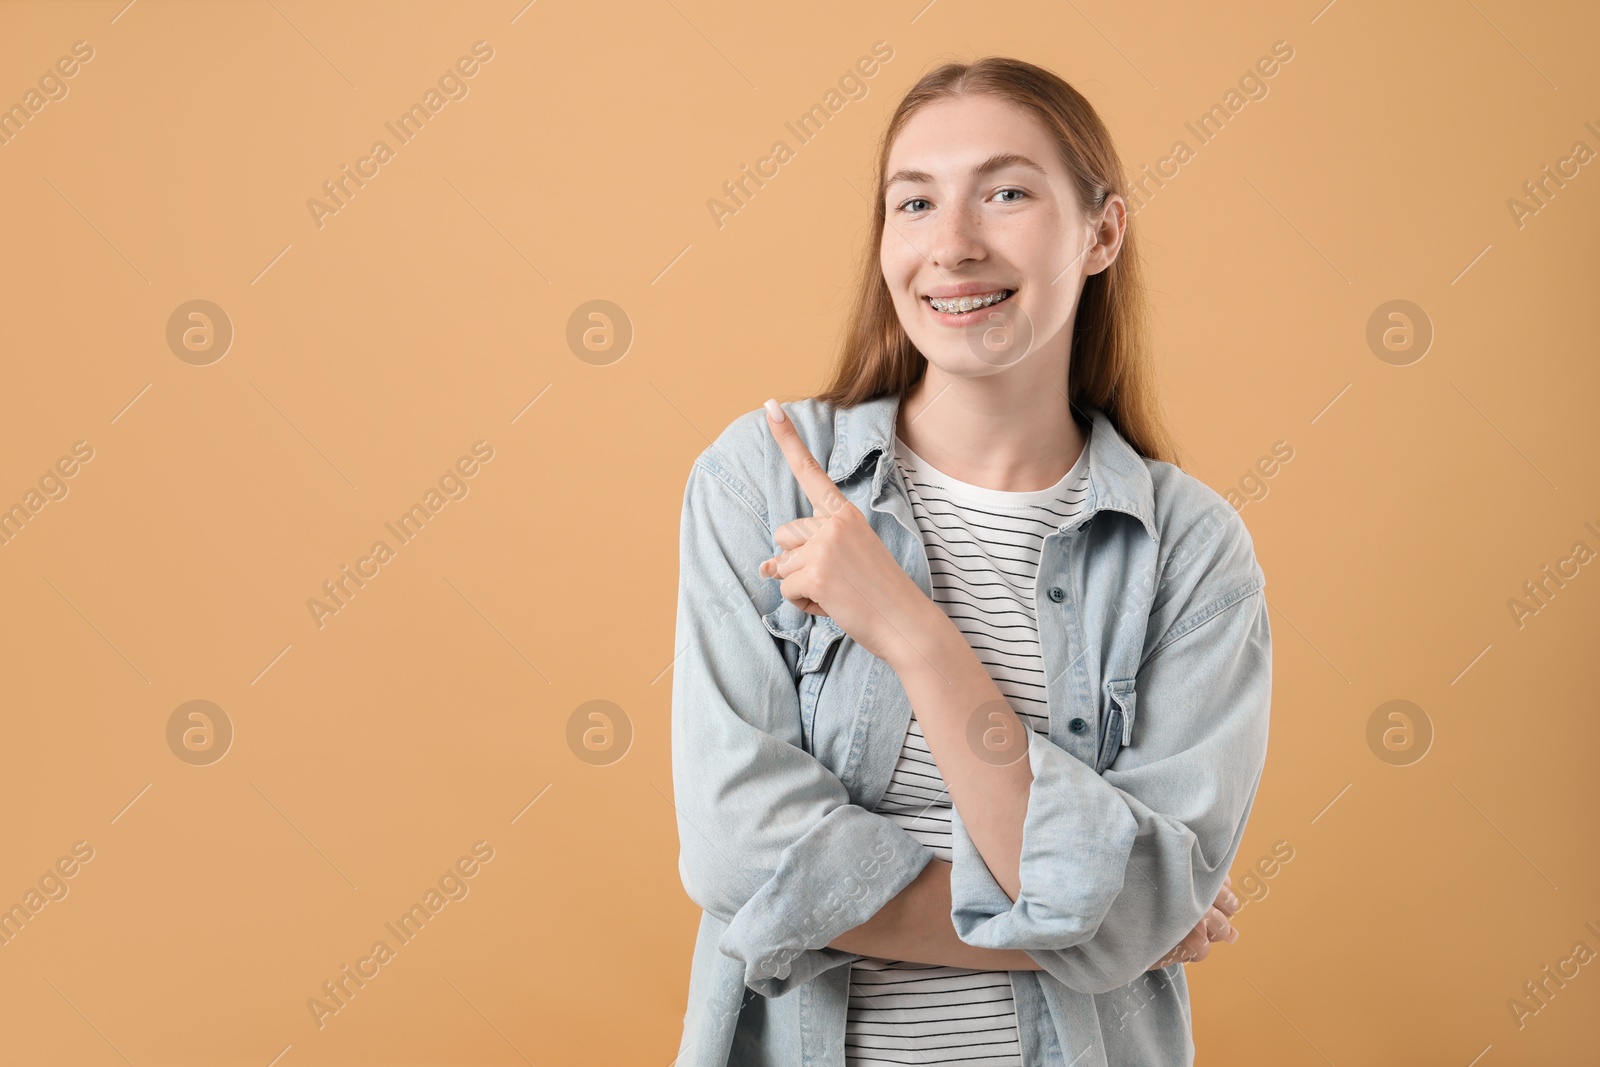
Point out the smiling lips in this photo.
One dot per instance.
(957, 305)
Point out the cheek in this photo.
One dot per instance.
(898, 275)
(1021, 248)
(897, 268)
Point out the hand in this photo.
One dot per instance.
(1214, 927)
(833, 563)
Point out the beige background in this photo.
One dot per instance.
(432, 310)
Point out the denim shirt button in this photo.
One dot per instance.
(1077, 726)
(1056, 594)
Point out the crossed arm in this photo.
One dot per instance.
(945, 680)
(915, 926)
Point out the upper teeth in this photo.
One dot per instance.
(958, 304)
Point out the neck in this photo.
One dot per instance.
(1000, 432)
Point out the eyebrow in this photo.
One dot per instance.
(999, 161)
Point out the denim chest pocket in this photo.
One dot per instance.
(1121, 699)
(792, 628)
(809, 644)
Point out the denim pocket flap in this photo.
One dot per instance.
(1123, 697)
(788, 622)
(1118, 722)
(824, 632)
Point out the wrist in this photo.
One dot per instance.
(920, 631)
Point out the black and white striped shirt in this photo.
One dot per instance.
(983, 557)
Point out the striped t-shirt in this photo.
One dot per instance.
(983, 557)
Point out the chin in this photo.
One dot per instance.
(959, 364)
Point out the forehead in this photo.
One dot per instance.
(945, 140)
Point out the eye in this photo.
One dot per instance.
(1019, 192)
(913, 200)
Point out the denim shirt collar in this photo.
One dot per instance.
(1119, 480)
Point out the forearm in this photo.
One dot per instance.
(915, 927)
(977, 740)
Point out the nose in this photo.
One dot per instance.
(957, 236)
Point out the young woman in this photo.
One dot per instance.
(971, 701)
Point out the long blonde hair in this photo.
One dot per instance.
(1111, 362)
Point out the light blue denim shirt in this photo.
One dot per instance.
(1158, 655)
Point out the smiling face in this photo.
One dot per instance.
(979, 205)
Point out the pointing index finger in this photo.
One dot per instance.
(814, 481)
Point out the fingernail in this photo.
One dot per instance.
(774, 410)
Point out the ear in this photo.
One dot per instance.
(1107, 232)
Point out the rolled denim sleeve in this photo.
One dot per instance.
(1117, 869)
(769, 840)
